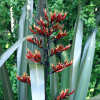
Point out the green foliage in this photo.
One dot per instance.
(88, 14)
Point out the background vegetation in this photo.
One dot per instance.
(88, 15)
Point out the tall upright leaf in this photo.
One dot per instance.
(37, 70)
(65, 73)
(54, 79)
(86, 67)
(86, 63)
(25, 21)
(37, 81)
(76, 51)
(4, 77)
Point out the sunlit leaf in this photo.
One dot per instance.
(86, 67)
(37, 81)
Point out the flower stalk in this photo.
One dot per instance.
(46, 29)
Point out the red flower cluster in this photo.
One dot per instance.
(42, 23)
(53, 23)
(59, 49)
(64, 94)
(35, 41)
(61, 34)
(57, 27)
(55, 17)
(25, 78)
(40, 31)
(59, 67)
(34, 57)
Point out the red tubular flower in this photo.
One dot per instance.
(60, 47)
(58, 17)
(64, 16)
(34, 57)
(36, 40)
(64, 33)
(61, 27)
(59, 67)
(56, 25)
(39, 22)
(44, 29)
(40, 40)
(42, 22)
(50, 31)
(55, 50)
(37, 56)
(64, 94)
(52, 52)
(47, 33)
(59, 35)
(45, 13)
(51, 17)
(37, 28)
(29, 39)
(53, 67)
(54, 15)
(68, 64)
(57, 28)
(66, 47)
(71, 92)
(32, 30)
(25, 78)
